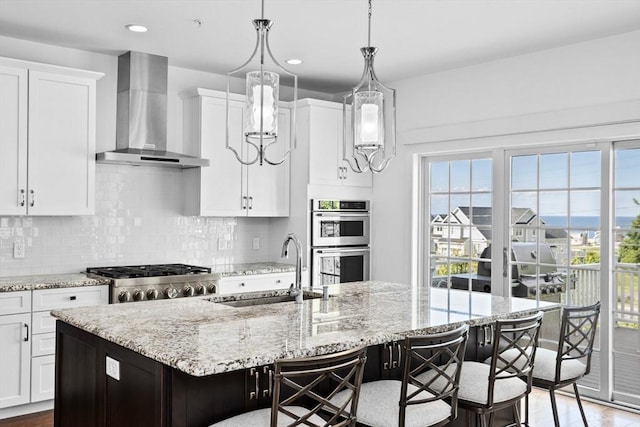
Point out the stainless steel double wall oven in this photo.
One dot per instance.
(340, 238)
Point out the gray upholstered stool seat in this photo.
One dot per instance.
(474, 385)
(377, 408)
(545, 366)
(262, 417)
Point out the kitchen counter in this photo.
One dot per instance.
(48, 281)
(201, 336)
(51, 281)
(252, 268)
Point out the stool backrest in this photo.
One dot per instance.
(577, 334)
(514, 351)
(441, 354)
(312, 382)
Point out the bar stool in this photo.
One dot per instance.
(304, 387)
(572, 359)
(414, 402)
(506, 378)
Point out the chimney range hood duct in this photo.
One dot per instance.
(141, 123)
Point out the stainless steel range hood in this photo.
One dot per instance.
(141, 123)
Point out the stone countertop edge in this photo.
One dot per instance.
(201, 337)
(52, 281)
(49, 281)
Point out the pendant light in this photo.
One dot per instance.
(262, 96)
(369, 113)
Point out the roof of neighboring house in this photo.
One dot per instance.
(481, 216)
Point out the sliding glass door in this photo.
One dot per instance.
(552, 223)
(625, 289)
(558, 211)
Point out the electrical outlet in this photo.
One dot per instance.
(113, 368)
(256, 243)
(18, 247)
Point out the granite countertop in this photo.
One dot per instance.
(252, 268)
(49, 281)
(201, 336)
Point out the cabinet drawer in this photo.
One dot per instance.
(43, 344)
(15, 302)
(51, 299)
(42, 322)
(255, 283)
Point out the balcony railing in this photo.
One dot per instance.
(626, 294)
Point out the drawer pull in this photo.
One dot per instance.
(72, 297)
(26, 338)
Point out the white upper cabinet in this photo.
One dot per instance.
(226, 187)
(13, 141)
(321, 129)
(48, 141)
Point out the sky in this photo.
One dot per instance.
(556, 184)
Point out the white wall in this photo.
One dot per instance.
(584, 91)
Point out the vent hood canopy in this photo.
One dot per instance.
(141, 123)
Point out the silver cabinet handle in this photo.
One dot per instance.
(268, 391)
(505, 261)
(22, 197)
(250, 202)
(254, 394)
(244, 202)
(32, 194)
(26, 338)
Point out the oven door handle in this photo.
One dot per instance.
(341, 251)
(342, 214)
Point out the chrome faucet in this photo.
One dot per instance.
(297, 289)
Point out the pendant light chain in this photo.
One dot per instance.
(369, 28)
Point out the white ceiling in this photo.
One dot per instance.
(414, 36)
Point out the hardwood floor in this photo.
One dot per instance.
(39, 419)
(540, 414)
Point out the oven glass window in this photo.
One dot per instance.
(342, 228)
(341, 269)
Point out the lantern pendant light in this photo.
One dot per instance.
(369, 113)
(262, 97)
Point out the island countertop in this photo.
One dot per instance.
(200, 336)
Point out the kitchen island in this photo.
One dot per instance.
(197, 360)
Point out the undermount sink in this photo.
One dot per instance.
(266, 300)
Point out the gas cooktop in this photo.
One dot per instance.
(149, 270)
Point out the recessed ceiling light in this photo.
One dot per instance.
(294, 61)
(136, 28)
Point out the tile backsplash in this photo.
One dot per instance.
(138, 220)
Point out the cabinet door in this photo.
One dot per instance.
(221, 182)
(325, 131)
(268, 185)
(13, 141)
(15, 359)
(43, 375)
(61, 152)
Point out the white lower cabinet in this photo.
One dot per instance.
(255, 283)
(15, 356)
(28, 340)
(43, 346)
(43, 375)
